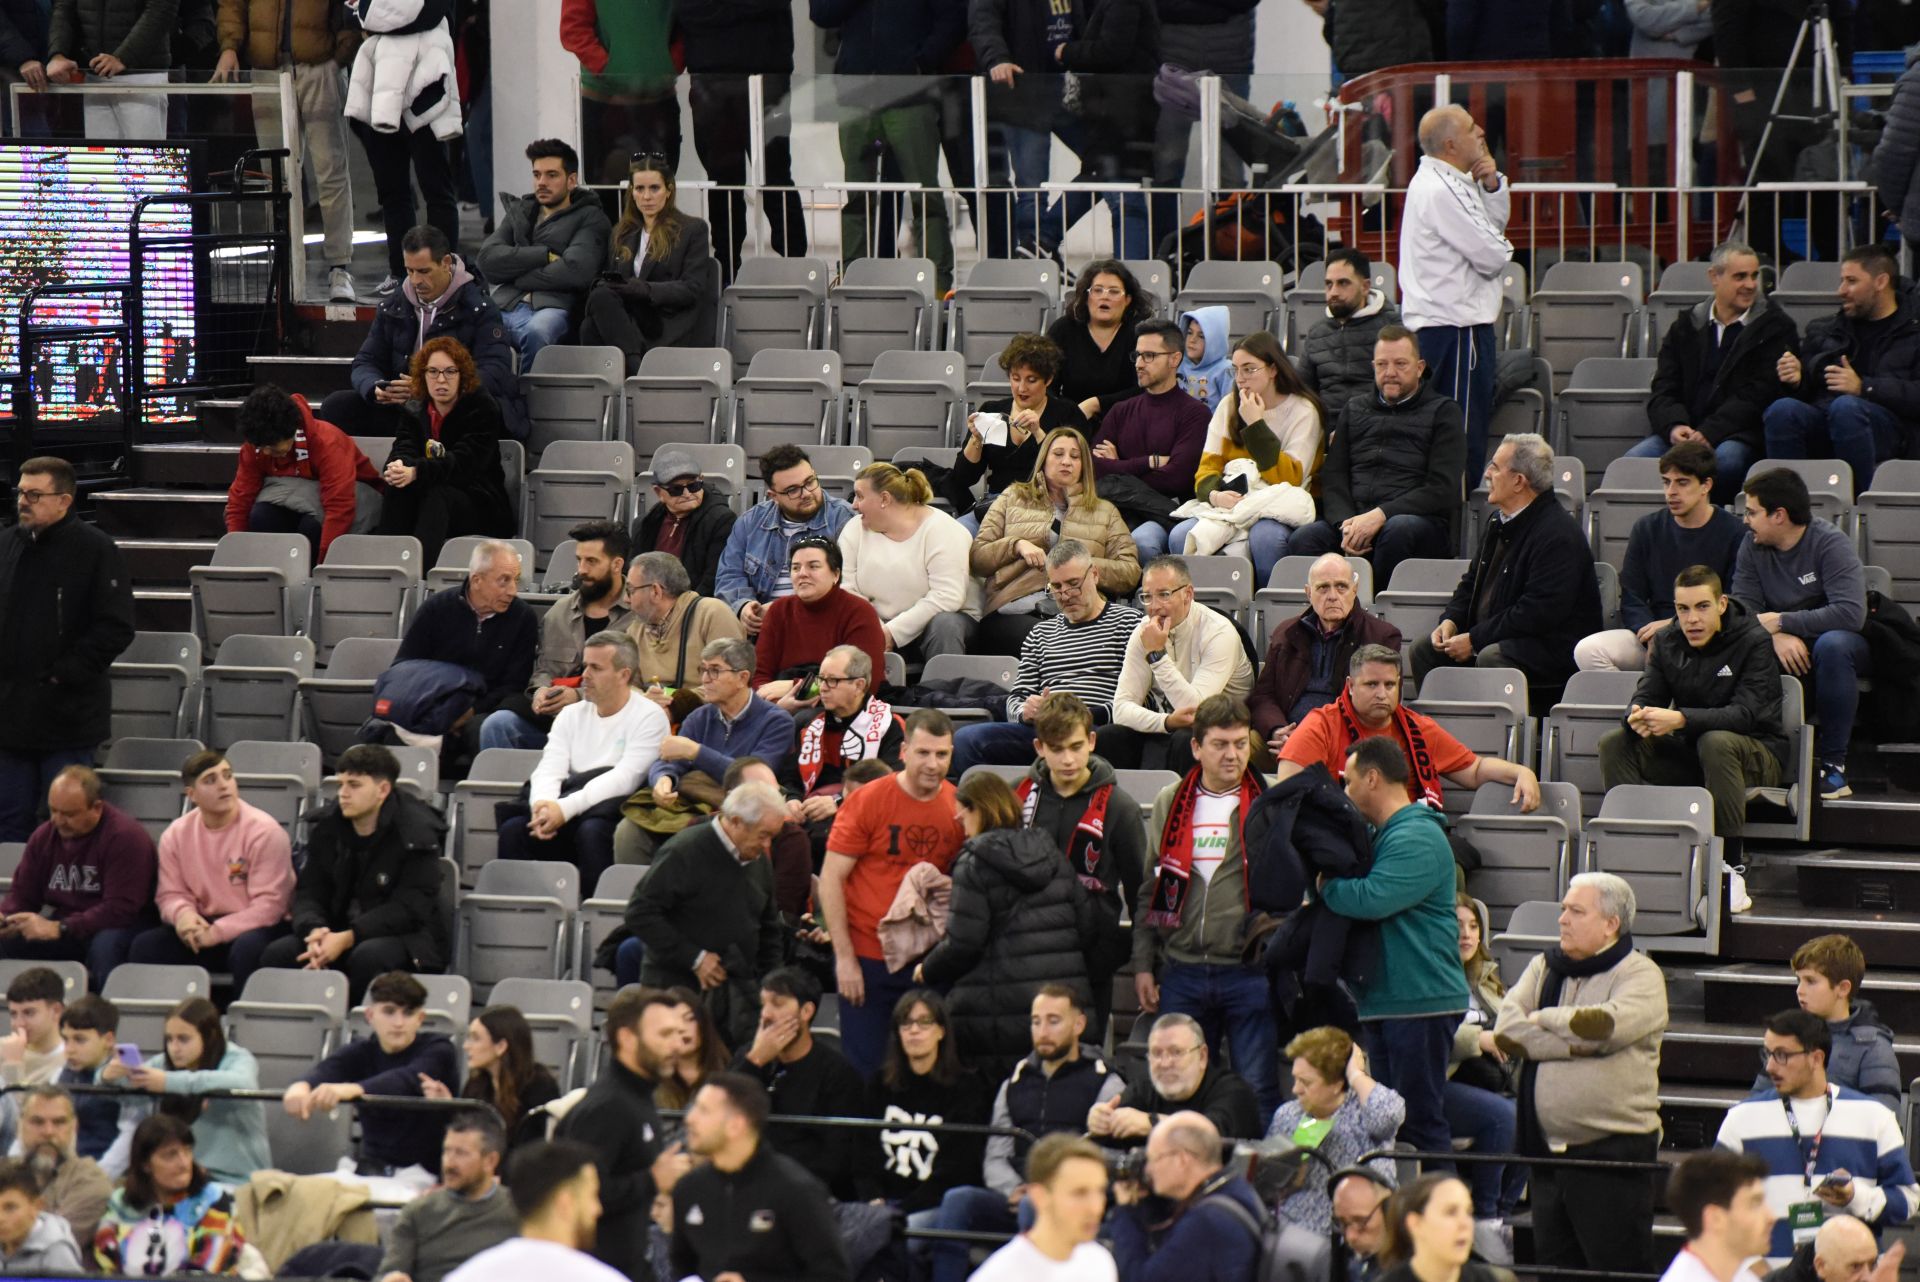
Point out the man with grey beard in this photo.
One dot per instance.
(73, 1187)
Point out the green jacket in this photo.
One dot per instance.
(1409, 891)
(1209, 929)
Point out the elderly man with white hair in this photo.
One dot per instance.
(1531, 593)
(480, 624)
(1453, 249)
(1585, 1022)
(1307, 659)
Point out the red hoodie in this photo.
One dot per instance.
(321, 452)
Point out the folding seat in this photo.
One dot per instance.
(1795, 794)
(1889, 517)
(252, 689)
(1485, 709)
(1661, 840)
(1529, 408)
(142, 777)
(313, 1147)
(1601, 413)
(561, 1013)
(1514, 329)
(680, 395)
(146, 994)
(339, 699)
(497, 774)
(1155, 279)
(881, 305)
(1808, 291)
(1522, 856)
(555, 580)
(838, 466)
(1593, 704)
(910, 399)
(280, 778)
(457, 553)
(364, 588)
(599, 916)
(1000, 669)
(576, 481)
(518, 921)
(1144, 786)
(1630, 489)
(1251, 291)
(573, 394)
(1533, 928)
(1682, 287)
(1285, 594)
(1418, 595)
(1585, 310)
(722, 467)
(788, 398)
(513, 465)
(1306, 306)
(250, 586)
(289, 1020)
(1225, 583)
(1829, 485)
(11, 852)
(1608, 580)
(773, 303)
(1001, 297)
(156, 685)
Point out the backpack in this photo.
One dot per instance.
(1286, 1251)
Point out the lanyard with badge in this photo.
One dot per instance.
(1804, 1218)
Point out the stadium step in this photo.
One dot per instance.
(218, 419)
(142, 512)
(311, 376)
(1750, 991)
(162, 610)
(1880, 881)
(1690, 1115)
(1780, 923)
(185, 464)
(1729, 1054)
(163, 563)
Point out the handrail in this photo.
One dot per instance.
(1545, 1160)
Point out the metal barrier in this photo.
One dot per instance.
(105, 335)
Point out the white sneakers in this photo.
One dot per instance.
(340, 286)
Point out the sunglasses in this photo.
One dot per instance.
(654, 160)
(680, 489)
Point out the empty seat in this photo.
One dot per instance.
(910, 398)
(1485, 709)
(252, 689)
(1808, 291)
(1583, 310)
(1000, 669)
(1418, 595)
(146, 993)
(572, 394)
(881, 305)
(1522, 856)
(1593, 704)
(1889, 518)
(561, 1013)
(1155, 279)
(142, 777)
(1001, 297)
(312, 1147)
(497, 774)
(1630, 489)
(600, 916)
(773, 303)
(248, 586)
(1145, 786)
(364, 588)
(457, 554)
(1682, 287)
(1514, 329)
(518, 920)
(289, 1020)
(1224, 583)
(280, 778)
(577, 481)
(1531, 930)
(1829, 485)
(1252, 292)
(1526, 408)
(838, 466)
(681, 394)
(787, 398)
(1795, 794)
(339, 699)
(11, 853)
(156, 685)
(1601, 413)
(1661, 840)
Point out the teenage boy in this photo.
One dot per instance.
(1830, 968)
(105, 1134)
(31, 1054)
(1067, 1182)
(396, 1060)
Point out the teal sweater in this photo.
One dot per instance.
(1409, 891)
(230, 1137)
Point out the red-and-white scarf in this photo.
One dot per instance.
(1175, 878)
(1089, 834)
(1425, 777)
(862, 740)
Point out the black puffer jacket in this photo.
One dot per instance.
(23, 33)
(1366, 35)
(1896, 161)
(469, 459)
(707, 531)
(66, 613)
(1299, 829)
(465, 313)
(389, 890)
(1545, 597)
(1730, 683)
(1402, 459)
(1894, 380)
(1338, 362)
(137, 32)
(1019, 919)
(1744, 385)
(1115, 57)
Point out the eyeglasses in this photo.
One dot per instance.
(435, 371)
(1151, 356)
(1070, 587)
(680, 489)
(1355, 1223)
(807, 486)
(709, 672)
(1172, 1056)
(922, 1023)
(1107, 291)
(1779, 1056)
(834, 683)
(1166, 597)
(33, 496)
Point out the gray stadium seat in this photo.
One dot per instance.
(1808, 291)
(1527, 408)
(1000, 669)
(1630, 489)
(1608, 580)
(1682, 287)
(1485, 709)
(576, 481)
(312, 1147)
(1514, 329)
(11, 853)
(910, 398)
(280, 778)
(518, 921)
(680, 395)
(599, 916)
(1522, 856)
(142, 777)
(513, 465)
(455, 554)
(1155, 278)
(1144, 786)
(896, 669)
(1584, 310)
(1533, 928)
(561, 1013)
(881, 305)
(364, 588)
(1418, 595)
(156, 685)
(573, 394)
(1829, 485)
(1223, 582)
(1889, 516)
(722, 467)
(1661, 840)
(773, 303)
(289, 1019)
(838, 466)
(252, 689)
(788, 397)
(496, 775)
(1601, 413)
(249, 586)
(146, 994)
(1252, 292)
(339, 699)
(1795, 795)
(1593, 704)
(999, 298)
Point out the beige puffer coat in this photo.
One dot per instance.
(1014, 517)
(320, 33)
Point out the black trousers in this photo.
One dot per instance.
(353, 414)
(611, 321)
(364, 962)
(398, 159)
(1599, 1220)
(433, 514)
(720, 136)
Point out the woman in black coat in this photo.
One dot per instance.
(662, 288)
(1019, 919)
(688, 518)
(444, 477)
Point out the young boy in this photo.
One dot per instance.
(396, 1060)
(105, 1124)
(32, 1238)
(1206, 371)
(1830, 969)
(31, 1053)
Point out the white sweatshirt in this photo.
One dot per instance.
(628, 742)
(910, 582)
(1452, 248)
(1203, 658)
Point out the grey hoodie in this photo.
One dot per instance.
(49, 1248)
(423, 313)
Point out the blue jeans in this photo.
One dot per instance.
(1233, 1000)
(975, 1210)
(1028, 151)
(1151, 540)
(992, 743)
(101, 951)
(1266, 544)
(1847, 427)
(504, 729)
(1491, 1122)
(864, 1029)
(1401, 537)
(626, 961)
(534, 328)
(24, 781)
(1840, 659)
(1411, 1055)
(1731, 458)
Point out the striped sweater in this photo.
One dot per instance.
(1857, 1135)
(1082, 657)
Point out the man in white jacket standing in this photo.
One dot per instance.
(1453, 248)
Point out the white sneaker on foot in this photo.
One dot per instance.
(340, 286)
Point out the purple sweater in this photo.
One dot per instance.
(1170, 423)
(101, 881)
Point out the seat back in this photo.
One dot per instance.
(1808, 291)
(1795, 794)
(1000, 298)
(1001, 669)
(1586, 310)
(518, 921)
(1889, 516)
(881, 305)
(1522, 856)
(1660, 838)
(280, 778)
(722, 467)
(146, 994)
(338, 700)
(142, 777)
(600, 916)
(1145, 786)
(1252, 292)
(561, 1013)
(251, 690)
(1485, 709)
(1531, 930)
(363, 589)
(787, 398)
(1223, 582)
(156, 684)
(312, 1147)
(773, 302)
(572, 394)
(1593, 704)
(910, 399)
(681, 395)
(11, 853)
(576, 481)
(1155, 279)
(838, 466)
(1630, 489)
(1602, 411)
(496, 775)
(245, 588)
(1419, 593)
(289, 1020)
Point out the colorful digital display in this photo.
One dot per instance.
(64, 211)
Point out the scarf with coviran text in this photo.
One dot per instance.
(1419, 756)
(1083, 848)
(1175, 879)
(861, 740)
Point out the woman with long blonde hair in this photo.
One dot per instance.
(661, 285)
(910, 560)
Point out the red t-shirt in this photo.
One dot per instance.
(887, 832)
(1319, 732)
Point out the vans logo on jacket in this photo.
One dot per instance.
(1810, 578)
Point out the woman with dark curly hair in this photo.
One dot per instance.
(1032, 362)
(444, 477)
(1095, 338)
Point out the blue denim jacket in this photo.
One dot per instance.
(756, 551)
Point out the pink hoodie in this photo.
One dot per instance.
(239, 878)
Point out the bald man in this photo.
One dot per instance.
(1359, 1216)
(1196, 1221)
(1453, 249)
(1307, 658)
(1842, 1251)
